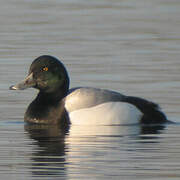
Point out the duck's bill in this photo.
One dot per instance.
(26, 83)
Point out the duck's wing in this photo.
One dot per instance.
(86, 97)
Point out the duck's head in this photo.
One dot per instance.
(47, 74)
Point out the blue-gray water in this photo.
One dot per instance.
(129, 46)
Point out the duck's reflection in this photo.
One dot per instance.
(152, 129)
(48, 158)
(150, 133)
(121, 130)
(50, 155)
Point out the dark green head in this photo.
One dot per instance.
(47, 74)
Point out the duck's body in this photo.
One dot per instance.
(55, 103)
(92, 106)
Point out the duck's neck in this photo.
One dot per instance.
(46, 97)
(50, 98)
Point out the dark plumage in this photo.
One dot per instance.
(151, 111)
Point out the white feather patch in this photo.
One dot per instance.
(110, 113)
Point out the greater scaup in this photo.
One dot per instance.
(56, 103)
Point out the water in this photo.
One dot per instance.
(128, 46)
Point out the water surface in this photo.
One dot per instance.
(129, 46)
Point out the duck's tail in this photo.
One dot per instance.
(152, 113)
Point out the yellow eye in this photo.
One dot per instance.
(45, 69)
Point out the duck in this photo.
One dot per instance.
(56, 103)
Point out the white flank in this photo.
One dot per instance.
(110, 113)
